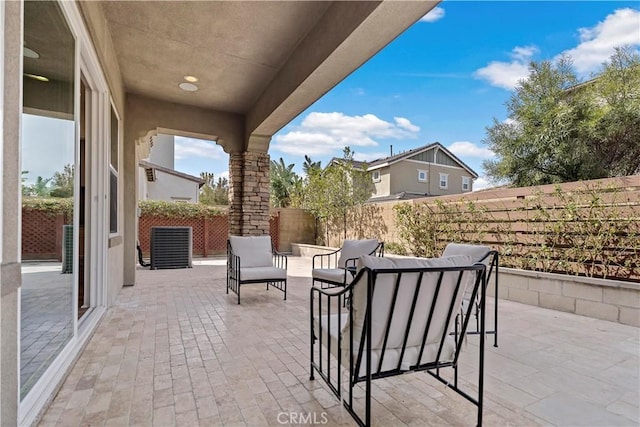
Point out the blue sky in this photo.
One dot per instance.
(445, 79)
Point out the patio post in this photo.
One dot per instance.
(249, 193)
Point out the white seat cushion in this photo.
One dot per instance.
(331, 324)
(383, 295)
(355, 249)
(254, 251)
(478, 253)
(266, 273)
(332, 275)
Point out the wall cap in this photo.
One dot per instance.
(608, 283)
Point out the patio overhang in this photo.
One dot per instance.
(263, 61)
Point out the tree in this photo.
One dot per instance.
(285, 183)
(212, 192)
(615, 134)
(309, 166)
(330, 193)
(40, 188)
(560, 131)
(62, 182)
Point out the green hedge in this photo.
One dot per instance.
(178, 210)
(56, 206)
(51, 205)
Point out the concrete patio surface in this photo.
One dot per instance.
(177, 350)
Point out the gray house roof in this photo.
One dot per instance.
(150, 167)
(387, 161)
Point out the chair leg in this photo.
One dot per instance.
(495, 321)
(238, 293)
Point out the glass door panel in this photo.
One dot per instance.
(48, 190)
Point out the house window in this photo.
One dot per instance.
(422, 175)
(375, 175)
(466, 183)
(113, 174)
(444, 180)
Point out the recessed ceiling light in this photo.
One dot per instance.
(189, 87)
(37, 77)
(191, 79)
(30, 53)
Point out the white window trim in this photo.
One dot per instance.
(446, 181)
(466, 180)
(111, 169)
(422, 171)
(373, 176)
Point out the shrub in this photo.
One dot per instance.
(395, 248)
(177, 210)
(592, 231)
(51, 205)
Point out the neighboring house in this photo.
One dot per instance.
(431, 170)
(160, 183)
(158, 180)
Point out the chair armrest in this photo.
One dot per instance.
(324, 260)
(233, 262)
(279, 260)
(330, 292)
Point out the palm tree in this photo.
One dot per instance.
(309, 166)
(40, 188)
(284, 183)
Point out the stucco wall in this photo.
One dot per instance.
(454, 181)
(296, 226)
(172, 188)
(404, 177)
(162, 152)
(382, 187)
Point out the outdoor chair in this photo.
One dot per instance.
(488, 257)
(338, 268)
(401, 318)
(254, 260)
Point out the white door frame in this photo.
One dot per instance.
(88, 64)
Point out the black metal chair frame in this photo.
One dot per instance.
(492, 266)
(234, 277)
(330, 260)
(363, 353)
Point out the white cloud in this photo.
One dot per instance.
(469, 149)
(326, 133)
(596, 46)
(368, 157)
(481, 183)
(406, 124)
(434, 15)
(199, 148)
(597, 43)
(507, 74)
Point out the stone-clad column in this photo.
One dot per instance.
(236, 167)
(255, 194)
(249, 194)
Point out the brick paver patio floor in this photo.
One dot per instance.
(176, 350)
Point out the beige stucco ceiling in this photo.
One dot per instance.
(234, 48)
(264, 60)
